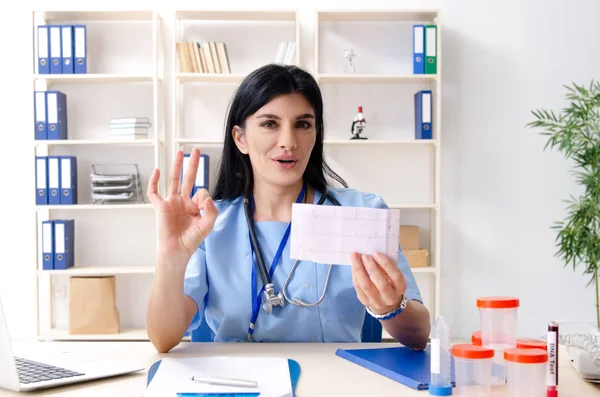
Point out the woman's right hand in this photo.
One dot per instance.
(181, 227)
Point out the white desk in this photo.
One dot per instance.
(323, 373)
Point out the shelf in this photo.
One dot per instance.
(380, 142)
(94, 78)
(325, 78)
(96, 207)
(132, 15)
(423, 270)
(99, 142)
(236, 15)
(125, 334)
(210, 77)
(100, 270)
(377, 15)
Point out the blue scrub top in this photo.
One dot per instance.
(218, 279)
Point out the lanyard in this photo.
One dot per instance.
(256, 297)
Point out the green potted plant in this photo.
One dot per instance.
(575, 131)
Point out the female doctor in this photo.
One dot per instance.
(206, 264)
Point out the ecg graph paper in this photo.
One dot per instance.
(328, 234)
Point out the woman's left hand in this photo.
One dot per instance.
(378, 281)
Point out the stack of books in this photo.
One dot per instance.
(206, 57)
(129, 128)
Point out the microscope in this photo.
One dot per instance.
(358, 124)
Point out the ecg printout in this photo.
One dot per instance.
(328, 234)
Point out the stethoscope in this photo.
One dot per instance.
(269, 298)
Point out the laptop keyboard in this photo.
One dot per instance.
(32, 371)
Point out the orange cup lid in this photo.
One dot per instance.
(526, 356)
(497, 302)
(476, 338)
(466, 350)
(532, 344)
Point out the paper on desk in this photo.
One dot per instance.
(173, 375)
(328, 234)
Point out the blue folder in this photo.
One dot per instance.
(419, 49)
(410, 367)
(423, 114)
(292, 364)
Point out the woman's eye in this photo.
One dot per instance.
(268, 124)
(304, 124)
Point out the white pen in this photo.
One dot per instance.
(211, 380)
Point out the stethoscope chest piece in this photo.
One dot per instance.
(269, 299)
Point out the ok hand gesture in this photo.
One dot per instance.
(181, 226)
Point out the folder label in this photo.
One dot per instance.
(419, 40)
(431, 41)
(426, 114)
(41, 173)
(65, 170)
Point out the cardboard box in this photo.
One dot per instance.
(409, 237)
(416, 258)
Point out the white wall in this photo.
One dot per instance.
(500, 194)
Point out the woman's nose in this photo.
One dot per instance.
(287, 137)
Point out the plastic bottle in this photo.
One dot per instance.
(441, 381)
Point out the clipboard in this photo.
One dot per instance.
(293, 365)
(411, 368)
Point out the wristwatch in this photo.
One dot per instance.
(393, 313)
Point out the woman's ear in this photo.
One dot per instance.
(240, 139)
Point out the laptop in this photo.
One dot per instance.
(46, 371)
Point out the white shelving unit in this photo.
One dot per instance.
(388, 70)
(197, 115)
(89, 142)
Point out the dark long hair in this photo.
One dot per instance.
(235, 176)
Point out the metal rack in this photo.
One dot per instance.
(115, 183)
